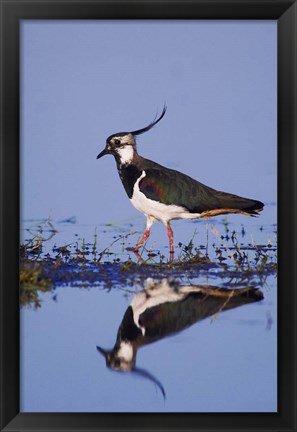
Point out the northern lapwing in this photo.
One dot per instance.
(163, 309)
(164, 194)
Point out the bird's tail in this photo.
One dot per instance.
(229, 203)
(246, 205)
(254, 208)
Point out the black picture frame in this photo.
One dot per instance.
(285, 12)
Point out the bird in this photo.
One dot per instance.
(164, 194)
(164, 308)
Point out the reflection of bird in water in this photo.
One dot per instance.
(163, 309)
(165, 194)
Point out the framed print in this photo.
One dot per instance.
(110, 319)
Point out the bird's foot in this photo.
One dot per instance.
(138, 256)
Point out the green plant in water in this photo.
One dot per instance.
(94, 247)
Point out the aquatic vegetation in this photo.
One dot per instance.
(45, 265)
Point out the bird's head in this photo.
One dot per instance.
(124, 362)
(121, 358)
(122, 145)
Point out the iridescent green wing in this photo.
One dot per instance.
(172, 187)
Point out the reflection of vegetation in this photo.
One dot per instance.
(81, 263)
(32, 281)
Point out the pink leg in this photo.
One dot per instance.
(170, 236)
(143, 239)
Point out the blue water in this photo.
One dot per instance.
(226, 362)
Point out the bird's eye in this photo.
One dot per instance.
(117, 142)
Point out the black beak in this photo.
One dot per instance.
(103, 153)
(101, 350)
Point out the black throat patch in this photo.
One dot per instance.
(129, 174)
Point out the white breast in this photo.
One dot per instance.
(155, 294)
(157, 210)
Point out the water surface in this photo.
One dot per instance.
(225, 362)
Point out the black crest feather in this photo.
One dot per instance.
(154, 122)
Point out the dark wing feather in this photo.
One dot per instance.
(172, 187)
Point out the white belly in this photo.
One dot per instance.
(157, 210)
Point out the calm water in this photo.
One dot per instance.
(224, 362)
(221, 129)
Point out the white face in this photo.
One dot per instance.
(126, 351)
(124, 146)
(126, 154)
(124, 358)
